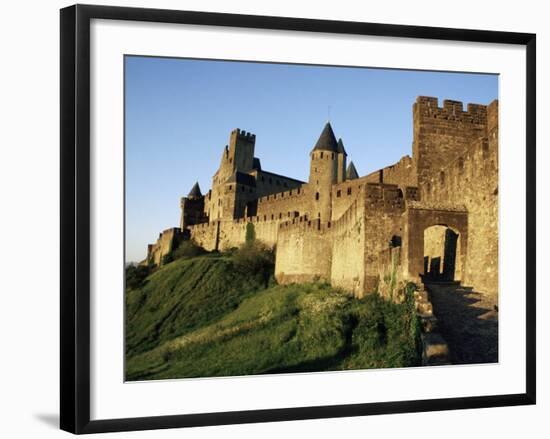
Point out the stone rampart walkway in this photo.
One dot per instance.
(468, 321)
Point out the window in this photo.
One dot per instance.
(285, 184)
(272, 217)
(460, 164)
(280, 215)
(338, 193)
(230, 187)
(332, 156)
(321, 155)
(349, 191)
(442, 177)
(242, 188)
(317, 196)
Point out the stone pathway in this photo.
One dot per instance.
(468, 321)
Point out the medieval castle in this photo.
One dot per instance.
(434, 214)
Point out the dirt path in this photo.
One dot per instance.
(468, 321)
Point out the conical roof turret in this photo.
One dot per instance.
(195, 191)
(351, 173)
(327, 140)
(341, 149)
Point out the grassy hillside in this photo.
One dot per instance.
(185, 295)
(207, 316)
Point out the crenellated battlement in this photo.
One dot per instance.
(339, 229)
(384, 196)
(298, 192)
(303, 223)
(244, 135)
(349, 217)
(239, 221)
(428, 107)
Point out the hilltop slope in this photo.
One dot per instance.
(205, 316)
(185, 295)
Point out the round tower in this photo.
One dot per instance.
(323, 173)
(342, 158)
(192, 207)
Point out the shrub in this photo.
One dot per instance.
(188, 249)
(135, 276)
(255, 258)
(167, 258)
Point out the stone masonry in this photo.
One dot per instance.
(436, 210)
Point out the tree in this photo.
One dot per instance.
(135, 276)
(250, 233)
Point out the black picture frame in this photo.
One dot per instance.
(75, 217)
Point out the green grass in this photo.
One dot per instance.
(183, 296)
(204, 317)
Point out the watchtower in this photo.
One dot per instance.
(192, 208)
(241, 150)
(323, 173)
(442, 134)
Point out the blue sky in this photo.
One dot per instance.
(178, 115)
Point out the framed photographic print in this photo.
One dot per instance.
(268, 218)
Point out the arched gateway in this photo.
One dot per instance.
(435, 244)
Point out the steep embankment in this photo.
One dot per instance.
(205, 316)
(185, 295)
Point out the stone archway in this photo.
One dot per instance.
(441, 246)
(417, 220)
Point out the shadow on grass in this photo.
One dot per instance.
(330, 362)
(316, 365)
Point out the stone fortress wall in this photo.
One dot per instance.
(470, 179)
(350, 230)
(402, 173)
(224, 235)
(167, 241)
(284, 205)
(271, 183)
(299, 244)
(344, 194)
(441, 134)
(348, 238)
